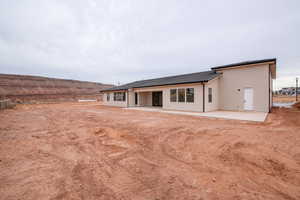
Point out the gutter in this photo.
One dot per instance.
(272, 60)
(204, 81)
(203, 97)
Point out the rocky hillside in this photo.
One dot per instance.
(21, 88)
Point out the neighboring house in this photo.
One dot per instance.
(238, 87)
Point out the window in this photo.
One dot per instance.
(119, 96)
(209, 95)
(135, 98)
(108, 97)
(173, 95)
(190, 95)
(181, 95)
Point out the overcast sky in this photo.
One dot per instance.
(123, 41)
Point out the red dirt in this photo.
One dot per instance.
(297, 105)
(23, 88)
(87, 151)
(283, 99)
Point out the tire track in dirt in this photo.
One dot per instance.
(68, 152)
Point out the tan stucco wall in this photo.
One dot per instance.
(214, 105)
(228, 92)
(187, 106)
(145, 97)
(197, 106)
(131, 102)
(256, 77)
(112, 102)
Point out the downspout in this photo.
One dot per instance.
(127, 98)
(203, 97)
(272, 92)
(269, 90)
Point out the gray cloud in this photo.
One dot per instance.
(122, 41)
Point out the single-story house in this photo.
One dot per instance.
(244, 86)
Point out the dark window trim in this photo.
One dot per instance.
(176, 100)
(210, 96)
(136, 98)
(186, 89)
(184, 95)
(108, 97)
(123, 96)
(203, 97)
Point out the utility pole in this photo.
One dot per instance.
(296, 89)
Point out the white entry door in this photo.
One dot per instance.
(248, 99)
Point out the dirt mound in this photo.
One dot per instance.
(21, 88)
(297, 105)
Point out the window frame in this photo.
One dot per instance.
(183, 92)
(108, 97)
(176, 95)
(120, 96)
(210, 95)
(191, 94)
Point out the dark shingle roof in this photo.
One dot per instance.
(245, 63)
(170, 80)
(185, 78)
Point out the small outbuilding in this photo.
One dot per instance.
(244, 86)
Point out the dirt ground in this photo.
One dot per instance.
(88, 151)
(284, 99)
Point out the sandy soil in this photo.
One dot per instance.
(284, 99)
(87, 151)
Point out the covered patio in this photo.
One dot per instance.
(148, 99)
(235, 115)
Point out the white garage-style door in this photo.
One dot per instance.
(248, 98)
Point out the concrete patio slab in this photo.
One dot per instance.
(247, 116)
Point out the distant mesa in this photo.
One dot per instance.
(30, 89)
